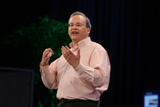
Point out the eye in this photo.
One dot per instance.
(78, 25)
(70, 25)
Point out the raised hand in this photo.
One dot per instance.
(71, 58)
(46, 56)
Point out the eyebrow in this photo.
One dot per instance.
(75, 23)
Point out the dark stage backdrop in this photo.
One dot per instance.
(128, 29)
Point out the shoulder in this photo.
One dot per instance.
(97, 46)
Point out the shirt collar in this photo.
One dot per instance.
(81, 44)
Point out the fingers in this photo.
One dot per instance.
(67, 48)
(78, 53)
(66, 52)
(48, 52)
(47, 55)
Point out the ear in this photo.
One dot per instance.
(88, 31)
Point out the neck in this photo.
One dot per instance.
(76, 41)
(73, 43)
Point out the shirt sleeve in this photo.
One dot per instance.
(49, 75)
(97, 73)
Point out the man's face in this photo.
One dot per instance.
(77, 29)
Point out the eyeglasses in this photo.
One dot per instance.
(77, 25)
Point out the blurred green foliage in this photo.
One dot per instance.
(24, 46)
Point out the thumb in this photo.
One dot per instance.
(78, 53)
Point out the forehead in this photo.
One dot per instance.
(77, 19)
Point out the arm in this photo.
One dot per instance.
(48, 74)
(98, 72)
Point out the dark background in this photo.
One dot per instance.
(128, 29)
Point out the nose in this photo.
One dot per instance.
(74, 27)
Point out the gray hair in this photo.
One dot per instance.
(88, 23)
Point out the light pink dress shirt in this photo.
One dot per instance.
(87, 81)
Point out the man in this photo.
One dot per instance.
(82, 73)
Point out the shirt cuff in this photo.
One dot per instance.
(43, 65)
(43, 68)
(80, 69)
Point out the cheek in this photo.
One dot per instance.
(69, 30)
(85, 32)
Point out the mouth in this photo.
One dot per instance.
(74, 32)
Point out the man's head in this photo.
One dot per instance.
(88, 24)
(79, 26)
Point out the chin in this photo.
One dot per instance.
(75, 39)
